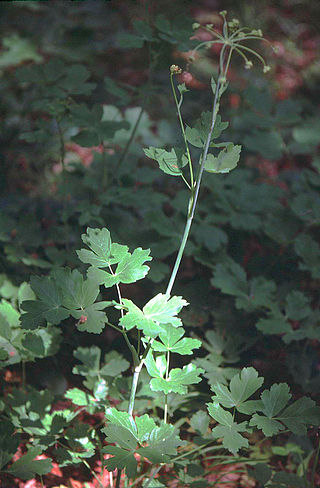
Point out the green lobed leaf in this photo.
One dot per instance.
(309, 251)
(115, 364)
(122, 419)
(99, 241)
(9, 442)
(178, 379)
(297, 305)
(130, 268)
(145, 426)
(117, 434)
(295, 416)
(228, 430)
(91, 318)
(290, 480)
(197, 136)
(171, 162)
(159, 311)
(276, 323)
(231, 279)
(300, 414)
(77, 292)
(200, 422)
(90, 359)
(26, 467)
(162, 443)
(156, 367)
(171, 341)
(34, 344)
(269, 426)
(79, 397)
(33, 317)
(49, 293)
(226, 160)
(9, 313)
(241, 387)
(122, 459)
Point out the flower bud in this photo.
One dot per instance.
(175, 70)
(195, 25)
(257, 32)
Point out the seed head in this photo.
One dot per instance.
(175, 70)
(257, 32)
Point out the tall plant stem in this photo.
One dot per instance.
(195, 188)
(194, 193)
(134, 385)
(130, 346)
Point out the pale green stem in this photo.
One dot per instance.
(116, 328)
(242, 54)
(191, 210)
(213, 31)
(225, 28)
(238, 31)
(166, 396)
(228, 62)
(258, 38)
(186, 182)
(182, 128)
(206, 43)
(124, 333)
(134, 385)
(179, 256)
(251, 51)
